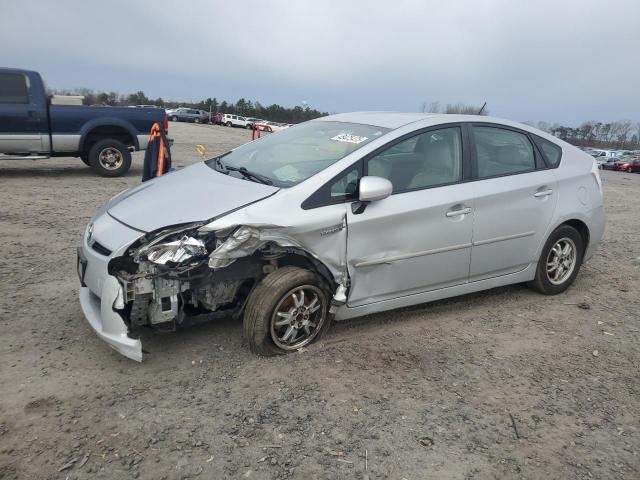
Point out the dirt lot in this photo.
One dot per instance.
(441, 390)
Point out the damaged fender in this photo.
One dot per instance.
(326, 233)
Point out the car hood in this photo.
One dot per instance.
(192, 194)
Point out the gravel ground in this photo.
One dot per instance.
(500, 384)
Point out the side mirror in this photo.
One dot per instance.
(374, 188)
(371, 189)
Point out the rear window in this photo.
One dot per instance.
(552, 152)
(13, 88)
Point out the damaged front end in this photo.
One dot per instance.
(188, 274)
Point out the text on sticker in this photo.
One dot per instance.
(348, 138)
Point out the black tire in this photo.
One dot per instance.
(630, 170)
(542, 282)
(174, 119)
(106, 147)
(228, 124)
(85, 159)
(197, 120)
(272, 292)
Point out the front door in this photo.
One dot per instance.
(419, 238)
(23, 124)
(514, 202)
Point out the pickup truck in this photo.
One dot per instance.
(102, 137)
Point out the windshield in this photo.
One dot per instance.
(294, 154)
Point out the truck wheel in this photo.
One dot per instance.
(85, 159)
(110, 158)
(286, 311)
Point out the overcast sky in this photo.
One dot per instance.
(559, 61)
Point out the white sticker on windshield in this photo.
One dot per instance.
(348, 138)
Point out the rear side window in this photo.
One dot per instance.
(502, 152)
(552, 152)
(13, 88)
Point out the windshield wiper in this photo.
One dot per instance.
(245, 173)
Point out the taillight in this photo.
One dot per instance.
(165, 123)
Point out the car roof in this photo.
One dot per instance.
(395, 120)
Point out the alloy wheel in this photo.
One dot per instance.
(298, 317)
(561, 261)
(110, 158)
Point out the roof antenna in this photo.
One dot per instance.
(480, 111)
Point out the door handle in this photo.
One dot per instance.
(455, 213)
(543, 193)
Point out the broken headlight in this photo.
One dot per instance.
(178, 251)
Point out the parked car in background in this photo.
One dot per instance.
(631, 165)
(271, 127)
(609, 163)
(231, 120)
(103, 137)
(189, 115)
(337, 218)
(252, 122)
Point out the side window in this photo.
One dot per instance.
(502, 152)
(424, 160)
(341, 188)
(552, 152)
(13, 88)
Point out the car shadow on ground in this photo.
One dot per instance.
(60, 171)
(227, 332)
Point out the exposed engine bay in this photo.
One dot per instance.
(191, 274)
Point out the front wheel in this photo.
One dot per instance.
(286, 311)
(629, 170)
(559, 262)
(110, 158)
(228, 124)
(174, 119)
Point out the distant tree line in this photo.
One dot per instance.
(460, 108)
(247, 108)
(621, 134)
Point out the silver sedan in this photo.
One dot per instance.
(340, 217)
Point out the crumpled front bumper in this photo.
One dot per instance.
(99, 290)
(106, 323)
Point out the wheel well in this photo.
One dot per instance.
(582, 229)
(107, 131)
(299, 258)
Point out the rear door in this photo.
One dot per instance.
(515, 197)
(23, 122)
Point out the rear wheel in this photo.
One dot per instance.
(110, 158)
(228, 124)
(197, 120)
(559, 261)
(286, 311)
